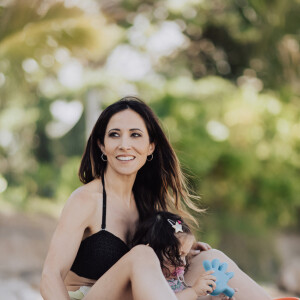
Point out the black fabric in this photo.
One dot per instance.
(97, 254)
(103, 225)
(100, 251)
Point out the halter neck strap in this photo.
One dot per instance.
(103, 225)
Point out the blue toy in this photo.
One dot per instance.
(222, 277)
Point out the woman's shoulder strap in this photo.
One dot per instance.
(103, 225)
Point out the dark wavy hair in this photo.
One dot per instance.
(160, 183)
(159, 234)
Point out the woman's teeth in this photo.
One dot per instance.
(125, 157)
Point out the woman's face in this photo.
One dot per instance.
(126, 142)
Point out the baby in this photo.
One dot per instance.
(171, 239)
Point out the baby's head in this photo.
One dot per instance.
(169, 236)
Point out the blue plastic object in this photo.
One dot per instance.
(222, 277)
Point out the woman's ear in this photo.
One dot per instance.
(151, 148)
(102, 148)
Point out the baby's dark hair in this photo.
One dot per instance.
(160, 235)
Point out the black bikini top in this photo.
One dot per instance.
(100, 251)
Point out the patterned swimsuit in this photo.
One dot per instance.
(177, 284)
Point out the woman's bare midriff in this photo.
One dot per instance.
(73, 282)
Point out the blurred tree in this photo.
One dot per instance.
(44, 46)
(237, 146)
(227, 38)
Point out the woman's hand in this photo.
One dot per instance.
(205, 284)
(198, 247)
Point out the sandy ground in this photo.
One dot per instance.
(17, 289)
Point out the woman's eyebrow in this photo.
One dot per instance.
(115, 129)
(132, 129)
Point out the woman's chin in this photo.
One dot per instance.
(126, 171)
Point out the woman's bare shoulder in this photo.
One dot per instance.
(85, 199)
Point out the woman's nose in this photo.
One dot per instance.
(124, 143)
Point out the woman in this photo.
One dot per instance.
(129, 171)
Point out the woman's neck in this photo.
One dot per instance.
(119, 186)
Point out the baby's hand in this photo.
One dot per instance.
(222, 276)
(224, 297)
(205, 284)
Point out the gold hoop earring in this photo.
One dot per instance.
(150, 158)
(102, 157)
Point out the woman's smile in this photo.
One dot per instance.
(125, 158)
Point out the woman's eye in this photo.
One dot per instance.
(136, 134)
(116, 134)
(113, 134)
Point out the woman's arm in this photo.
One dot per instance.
(187, 294)
(64, 245)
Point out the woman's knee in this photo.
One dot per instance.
(196, 263)
(142, 254)
(215, 253)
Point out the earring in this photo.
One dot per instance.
(151, 157)
(102, 157)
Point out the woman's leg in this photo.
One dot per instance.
(247, 288)
(137, 275)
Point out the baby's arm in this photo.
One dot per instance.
(204, 285)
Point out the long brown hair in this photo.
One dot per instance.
(160, 183)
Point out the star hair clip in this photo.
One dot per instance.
(176, 225)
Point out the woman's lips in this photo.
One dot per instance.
(125, 158)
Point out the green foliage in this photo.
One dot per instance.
(68, 178)
(238, 148)
(237, 164)
(36, 40)
(244, 239)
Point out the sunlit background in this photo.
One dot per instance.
(223, 77)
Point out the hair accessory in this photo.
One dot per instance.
(176, 225)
